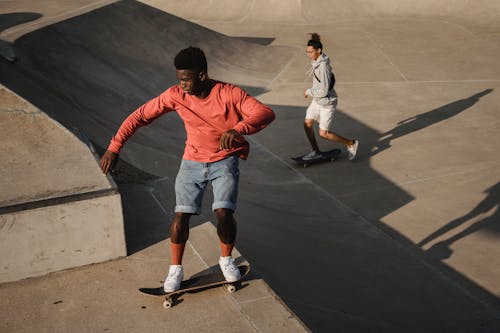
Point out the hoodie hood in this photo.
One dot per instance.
(322, 58)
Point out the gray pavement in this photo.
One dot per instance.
(105, 298)
(405, 239)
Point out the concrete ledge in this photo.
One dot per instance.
(57, 209)
(47, 239)
(40, 159)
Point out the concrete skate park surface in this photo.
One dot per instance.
(405, 239)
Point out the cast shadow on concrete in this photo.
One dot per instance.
(426, 119)
(240, 285)
(124, 172)
(491, 223)
(72, 72)
(286, 138)
(89, 74)
(257, 40)
(10, 20)
(147, 211)
(306, 226)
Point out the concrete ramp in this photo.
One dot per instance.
(103, 64)
(57, 210)
(405, 239)
(480, 16)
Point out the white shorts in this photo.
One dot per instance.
(323, 114)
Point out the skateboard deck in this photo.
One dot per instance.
(196, 283)
(330, 155)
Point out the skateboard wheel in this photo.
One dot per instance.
(231, 288)
(167, 304)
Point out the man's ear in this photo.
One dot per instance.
(202, 76)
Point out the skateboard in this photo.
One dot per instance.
(330, 155)
(197, 283)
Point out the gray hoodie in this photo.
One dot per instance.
(320, 72)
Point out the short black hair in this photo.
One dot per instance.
(191, 58)
(315, 41)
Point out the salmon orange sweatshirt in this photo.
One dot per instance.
(226, 107)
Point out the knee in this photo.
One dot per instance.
(179, 230)
(324, 134)
(308, 123)
(226, 228)
(224, 215)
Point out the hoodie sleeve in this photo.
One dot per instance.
(320, 87)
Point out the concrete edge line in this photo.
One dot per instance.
(57, 201)
(13, 33)
(489, 307)
(277, 299)
(269, 292)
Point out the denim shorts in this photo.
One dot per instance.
(193, 177)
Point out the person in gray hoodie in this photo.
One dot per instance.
(324, 102)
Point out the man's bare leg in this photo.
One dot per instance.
(335, 137)
(351, 145)
(226, 229)
(179, 234)
(309, 129)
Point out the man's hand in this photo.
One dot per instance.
(228, 138)
(305, 93)
(108, 161)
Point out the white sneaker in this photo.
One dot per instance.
(174, 278)
(229, 269)
(311, 156)
(352, 150)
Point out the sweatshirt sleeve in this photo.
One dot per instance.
(320, 88)
(255, 115)
(144, 115)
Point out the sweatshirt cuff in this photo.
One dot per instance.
(239, 128)
(114, 147)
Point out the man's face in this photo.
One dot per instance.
(313, 53)
(189, 81)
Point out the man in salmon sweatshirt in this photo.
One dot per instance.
(216, 116)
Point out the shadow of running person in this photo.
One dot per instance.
(10, 20)
(426, 119)
(441, 250)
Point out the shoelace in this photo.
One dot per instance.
(228, 266)
(172, 273)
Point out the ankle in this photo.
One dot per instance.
(226, 249)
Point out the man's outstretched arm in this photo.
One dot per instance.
(140, 117)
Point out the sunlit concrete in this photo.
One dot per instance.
(405, 238)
